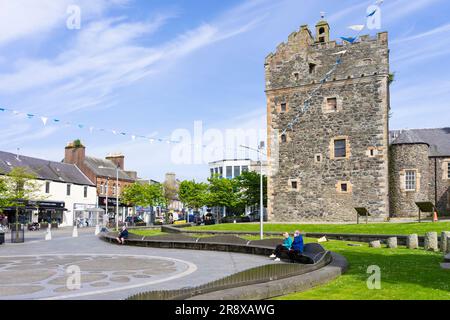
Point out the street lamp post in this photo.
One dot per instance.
(261, 186)
(117, 197)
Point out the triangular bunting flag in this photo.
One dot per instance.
(44, 120)
(357, 27)
(349, 39)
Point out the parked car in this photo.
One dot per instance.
(135, 220)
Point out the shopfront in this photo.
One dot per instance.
(37, 211)
(111, 208)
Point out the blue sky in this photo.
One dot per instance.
(152, 67)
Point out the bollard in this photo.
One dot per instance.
(445, 235)
(412, 241)
(48, 234)
(392, 243)
(431, 241)
(75, 232)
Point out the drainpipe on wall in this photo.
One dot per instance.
(435, 184)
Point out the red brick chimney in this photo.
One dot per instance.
(75, 153)
(118, 159)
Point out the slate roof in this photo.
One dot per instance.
(44, 169)
(438, 139)
(105, 168)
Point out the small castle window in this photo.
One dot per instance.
(321, 30)
(283, 138)
(283, 107)
(344, 187)
(332, 104)
(410, 180)
(318, 158)
(321, 39)
(372, 152)
(296, 76)
(312, 68)
(294, 185)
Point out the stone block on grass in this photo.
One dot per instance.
(445, 235)
(412, 241)
(431, 241)
(375, 244)
(392, 243)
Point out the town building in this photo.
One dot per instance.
(232, 168)
(328, 135)
(105, 173)
(64, 191)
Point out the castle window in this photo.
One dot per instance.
(448, 170)
(283, 107)
(344, 187)
(312, 68)
(47, 187)
(371, 152)
(340, 148)
(294, 185)
(68, 190)
(332, 104)
(296, 76)
(410, 180)
(318, 158)
(321, 30)
(283, 138)
(85, 192)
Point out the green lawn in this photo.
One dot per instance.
(372, 228)
(405, 274)
(147, 232)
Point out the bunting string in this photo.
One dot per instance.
(46, 120)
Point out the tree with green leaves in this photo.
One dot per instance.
(222, 193)
(144, 195)
(193, 194)
(21, 186)
(249, 188)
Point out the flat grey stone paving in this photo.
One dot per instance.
(37, 269)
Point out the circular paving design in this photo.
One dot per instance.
(54, 276)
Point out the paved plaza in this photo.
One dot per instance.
(39, 269)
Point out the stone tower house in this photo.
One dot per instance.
(335, 158)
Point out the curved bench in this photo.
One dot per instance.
(313, 252)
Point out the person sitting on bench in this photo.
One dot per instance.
(282, 248)
(122, 235)
(297, 246)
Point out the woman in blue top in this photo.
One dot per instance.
(282, 248)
